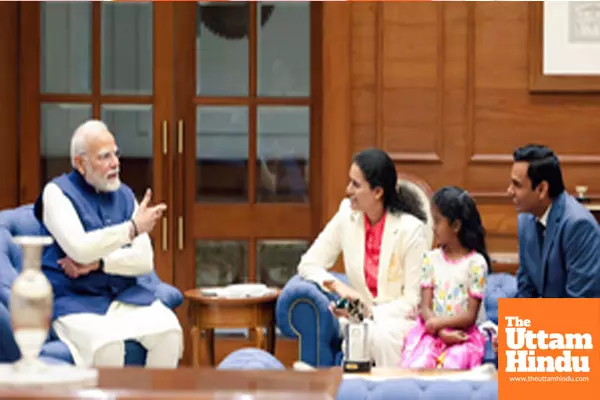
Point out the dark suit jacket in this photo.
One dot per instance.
(569, 264)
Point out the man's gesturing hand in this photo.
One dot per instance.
(147, 215)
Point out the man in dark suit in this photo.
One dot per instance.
(559, 239)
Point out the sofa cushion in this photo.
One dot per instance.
(56, 349)
(363, 389)
(250, 358)
(416, 389)
(53, 361)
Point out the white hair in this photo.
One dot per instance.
(82, 135)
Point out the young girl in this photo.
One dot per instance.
(452, 287)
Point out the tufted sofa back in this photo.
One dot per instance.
(21, 221)
(422, 190)
(14, 222)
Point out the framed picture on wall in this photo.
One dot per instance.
(564, 46)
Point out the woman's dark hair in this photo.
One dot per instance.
(455, 204)
(379, 170)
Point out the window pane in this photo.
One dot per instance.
(277, 260)
(66, 47)
(222, 154)
(221, 262)
(222, 49)
(58, 122)
(131, 126)
(127, 48)
(283, 154)
(284, 49)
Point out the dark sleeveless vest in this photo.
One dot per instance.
(94, 292)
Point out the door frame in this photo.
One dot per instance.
(9, 95)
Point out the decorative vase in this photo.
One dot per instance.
(31, 302)
(582, 194)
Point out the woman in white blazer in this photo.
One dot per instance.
(381, 233)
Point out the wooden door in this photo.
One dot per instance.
(105, 60)
(247, 166)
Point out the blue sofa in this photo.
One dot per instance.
(365, 389)
(21, 221)
(302, 313)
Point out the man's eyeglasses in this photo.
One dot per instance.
(106, 156)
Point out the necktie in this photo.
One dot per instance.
(541, 231)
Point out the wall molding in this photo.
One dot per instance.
(569, 159)
(427, 158)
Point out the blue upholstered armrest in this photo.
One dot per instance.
(303, 313)
(499, 285)
(8, 273)
(167, 294)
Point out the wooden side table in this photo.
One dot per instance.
(207, 313)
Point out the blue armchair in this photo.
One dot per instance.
(303, 313)
(21, 221)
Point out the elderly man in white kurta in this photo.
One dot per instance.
(101, 245)
(382, 235)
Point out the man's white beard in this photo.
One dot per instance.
(109, 185)
(101, 183)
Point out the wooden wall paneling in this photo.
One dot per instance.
(504, 114)
(337, 111)
(410, 45)
(363, 73)
(408, 78)
(9, 163)
(507, 115)
(493, 74)
(432, 86)
(500, 222)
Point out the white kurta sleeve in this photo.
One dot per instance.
(134, 260)
(62, 221)
(411, 253)
(325, 250)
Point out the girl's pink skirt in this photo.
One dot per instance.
(423, 350)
